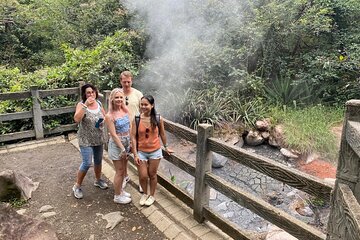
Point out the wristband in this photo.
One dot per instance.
(84, 107)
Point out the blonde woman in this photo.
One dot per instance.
(118, 123)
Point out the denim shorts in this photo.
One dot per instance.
(88, 154)
(145, 156)
(114, 151)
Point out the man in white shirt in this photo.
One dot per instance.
(132, 101)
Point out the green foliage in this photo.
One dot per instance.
(284, 91)
(32, 32)
(308, 129)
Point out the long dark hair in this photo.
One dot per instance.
(83, 91)
(151, 100)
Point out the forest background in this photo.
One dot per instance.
(228, 63)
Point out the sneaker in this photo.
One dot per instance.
(126, 194)
(101, 184)
(140, 189)
(121, 199)
(149, 201)
(143, 199)
(77, 192)
(125, 181)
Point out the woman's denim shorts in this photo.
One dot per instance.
(145, 156)
(114, 151)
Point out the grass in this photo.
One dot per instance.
(309, 129)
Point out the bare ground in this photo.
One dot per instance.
(55, 166)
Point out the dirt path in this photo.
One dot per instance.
(54, 166)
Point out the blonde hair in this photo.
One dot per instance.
(111, 104)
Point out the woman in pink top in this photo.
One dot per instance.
(145, 138)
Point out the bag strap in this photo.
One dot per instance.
(137, 122)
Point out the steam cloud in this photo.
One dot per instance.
(177, 29)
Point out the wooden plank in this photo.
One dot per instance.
(203, 165)
(57, 111)
(180, 131)
(62, 128)
(271, 168)
(15, 116)
(274, 215)
(225, 225)
(180, 163)
(179, 193)
(60, 91)
(15, 95)
(349, 224)
(17, 135)
(352, 133)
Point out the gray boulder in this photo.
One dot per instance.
(16, 226)
(218, 161)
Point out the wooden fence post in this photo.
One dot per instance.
(203, 165)
(81, 83)
(348, 170)
(37, 112)
(106, 100)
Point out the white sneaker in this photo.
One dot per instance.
(140, 189)
(149, 201)
(125, 181)
(143, 199)
(126, 194)
(121, 199)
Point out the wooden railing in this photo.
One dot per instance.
(37, 113)
(344, 219)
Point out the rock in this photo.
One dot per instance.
(221, 207)
(276, 233)
(113, 219)
(240, 143)
(262, 125)
(213, 194)
(276, 138)
(311, 157)
(92, 237)
(265, 135)
(12, 182)
(48, 214)
(16, 226)
(288, 153)
(21, 211)
(218, 161)
(46, 208)
(254, 138)
(305, 211)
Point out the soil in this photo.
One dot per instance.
(323, 168)
(55, 166)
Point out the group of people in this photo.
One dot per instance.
(133, 126)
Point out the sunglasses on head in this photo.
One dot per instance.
(147, 133)
(126, 101)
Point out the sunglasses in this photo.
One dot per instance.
(147, 133)
(126, 101)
